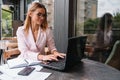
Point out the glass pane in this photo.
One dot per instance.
(6, 21)
(89, 13)
(49, 4)
(96, 18)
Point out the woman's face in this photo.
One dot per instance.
(38, 16)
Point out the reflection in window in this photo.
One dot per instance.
(86, 9)
(89, 13)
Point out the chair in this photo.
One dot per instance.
(114, 58)
(15, 25)
(12, 48)
(11, 53)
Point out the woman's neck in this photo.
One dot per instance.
(35, 27)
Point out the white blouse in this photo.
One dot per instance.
(29, 48)
(107, 37)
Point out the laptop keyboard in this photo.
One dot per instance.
(59, 63)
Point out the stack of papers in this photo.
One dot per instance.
(11, 74)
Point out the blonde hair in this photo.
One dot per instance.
(33, 7)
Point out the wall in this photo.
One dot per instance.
(0, 18)
(61, 24)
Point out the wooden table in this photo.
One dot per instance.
(86, 70)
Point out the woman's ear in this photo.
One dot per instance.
(30, 14)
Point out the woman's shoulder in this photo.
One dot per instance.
(20, 29)
(48, 29)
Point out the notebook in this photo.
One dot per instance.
(75, 52)
(20, 62)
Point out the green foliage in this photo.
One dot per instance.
(90, 25)
(116, 25)
(116, 20)
(117, 16)
(6, 24)
(6, 15)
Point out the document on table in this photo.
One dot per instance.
(20, 62)
(11, 74)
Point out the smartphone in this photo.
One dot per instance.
(1, 72)
(26, 71)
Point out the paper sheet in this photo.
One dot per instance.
(11, 74)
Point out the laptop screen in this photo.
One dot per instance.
(76, 48)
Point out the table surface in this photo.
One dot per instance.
(86, 70)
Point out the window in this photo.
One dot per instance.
(6, 21)
(88, 15)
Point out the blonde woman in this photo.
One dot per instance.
(35, 34)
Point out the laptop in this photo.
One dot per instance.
(75, 52)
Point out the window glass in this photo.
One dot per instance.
(49, 4)
(6, 21)
(89, 13)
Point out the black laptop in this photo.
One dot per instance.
(75, 52)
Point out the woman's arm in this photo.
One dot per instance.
(25, 52)
(51, 45)
(50, 41)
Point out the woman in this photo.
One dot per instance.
(103, 38)
(35, 34)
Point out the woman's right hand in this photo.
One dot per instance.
(50, 57)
